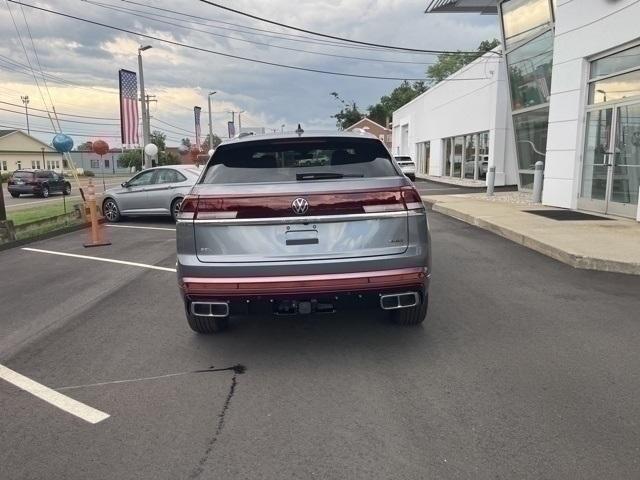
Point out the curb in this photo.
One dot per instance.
(46, 236)
(576, 261)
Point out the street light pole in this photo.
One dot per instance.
(145, 115)
(25, 100)
(210, 122)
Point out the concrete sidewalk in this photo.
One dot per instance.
(611, 244)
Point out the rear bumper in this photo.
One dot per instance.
(26, 189)
(416, 278)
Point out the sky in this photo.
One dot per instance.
(81, 61)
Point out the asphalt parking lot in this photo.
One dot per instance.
(526, 368)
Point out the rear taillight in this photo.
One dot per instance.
(278, 206)
(188, 208)
(412, 199)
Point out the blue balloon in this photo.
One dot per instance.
(62, 143)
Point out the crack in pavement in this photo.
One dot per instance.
(197, 471)
(237, 369)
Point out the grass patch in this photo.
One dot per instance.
(32, 214)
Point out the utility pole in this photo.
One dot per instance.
(145, 114)
(240, 120)
(25, 100)
(210, 122)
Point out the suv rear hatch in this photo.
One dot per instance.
(300, 200)
(22, 178)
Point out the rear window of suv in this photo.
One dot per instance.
(288, 159)
(23, 175)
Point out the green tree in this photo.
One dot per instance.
(206, 145)
(159, 139)
(168, 158)
(85, 147)
(401, 95)
(348, 114)
(132, 158)
(449, 63)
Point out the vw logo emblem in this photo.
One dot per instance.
(300, 206)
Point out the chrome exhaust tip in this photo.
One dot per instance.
(210, 309)
(395, 301)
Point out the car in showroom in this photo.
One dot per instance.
(155, 191)
(37, 182)
(407, 165)
(482, 166)
(302, 223)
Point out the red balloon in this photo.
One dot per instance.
(100, 147)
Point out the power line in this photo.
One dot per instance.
(214, 52)
(24, 49)
(170, 125)
(140, 14)
(63, 114)
(75, 134)
(284, 25)
(52, 77)
(62, 119)
(35, 51)
(278, 35)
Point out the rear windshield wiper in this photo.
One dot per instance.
(326, 175)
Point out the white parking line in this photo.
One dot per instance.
(100, 259)
(57, 399)
(141, 228)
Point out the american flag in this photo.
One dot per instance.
(129, 107)
(196, 114)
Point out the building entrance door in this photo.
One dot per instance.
(611, 160)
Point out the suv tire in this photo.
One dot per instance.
(15, 195)
(207, 325)
(45, 192)
(67, 189)
(411, 316)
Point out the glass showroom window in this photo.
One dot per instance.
(530, 72)
(528, 39)
(423, 154)
(467, 156)
(531, 141)
(523, 20)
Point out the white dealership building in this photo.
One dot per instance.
(564, 90)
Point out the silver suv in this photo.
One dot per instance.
(302, 223)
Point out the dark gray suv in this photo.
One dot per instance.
(302, 223)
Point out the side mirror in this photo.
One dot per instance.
(124, 184)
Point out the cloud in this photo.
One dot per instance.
(90, 56)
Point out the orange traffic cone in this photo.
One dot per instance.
(97, 232)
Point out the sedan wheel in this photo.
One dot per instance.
(110, 211)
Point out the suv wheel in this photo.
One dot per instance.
(15, 195)
(67, 189)
(45, 192)
(206, 324)
(411, 316)
(110, 210)
(175, 208)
